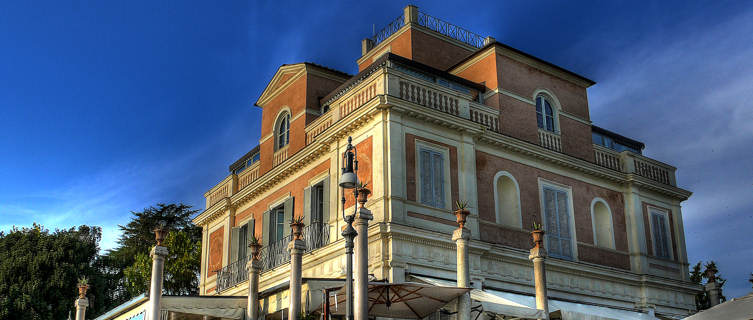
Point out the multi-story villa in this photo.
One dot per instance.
(440, 114)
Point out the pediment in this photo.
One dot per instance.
(284, 76)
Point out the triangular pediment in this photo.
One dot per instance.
(284, 76)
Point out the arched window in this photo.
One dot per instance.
(282, 131)
(601, 218)
(545, 114)
(507, 200)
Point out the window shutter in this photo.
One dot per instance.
(564, 224)
(251, 231)
(308, 204)
(656, 237)
(288, 215)
(234, 233)
(438, 180)
(266, 234)
(426, 181)
(550, 213)
(325, 200)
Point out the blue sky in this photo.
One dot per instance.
(108, 107)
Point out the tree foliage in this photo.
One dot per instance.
(181, 267)
(39, 271)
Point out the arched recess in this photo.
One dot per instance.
(601, 218)
(507, 200)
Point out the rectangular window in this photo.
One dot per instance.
(277, 224)
(660, 234)
(431, 168)
(557, 216)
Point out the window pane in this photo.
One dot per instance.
(539, 120)
(563, 216)
(549, 123)
(538, 104)
(427, 196)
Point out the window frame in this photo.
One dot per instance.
(544, 184)
(665, 215)
(611, 223)
(446, 177)
(544, 115)
(283, 116)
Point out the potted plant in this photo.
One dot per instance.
(83, 286)
(255, 247)
(537, 234)
(297, 225)
(363, 192)
(461, 212)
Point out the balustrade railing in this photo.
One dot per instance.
(649, 169)
(607, 158)
(429, 97)
(220, 192)
(485, 116)
(280, 156)
(550, 140)
(249, 175)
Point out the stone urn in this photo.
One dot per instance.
(538, 238)
(255, 247)
(82, 288)
(461, 216)
(297, 228)
(363, 195)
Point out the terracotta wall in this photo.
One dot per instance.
(488, 165)
(435, 52)
(294, 97)
(316, 88)
(410, 167)
(401, 45)
(215, 251)
(483, 71)
(364, 152)
(294, 188)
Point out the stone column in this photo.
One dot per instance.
(158, 254)
(296, 247)
(81, 304)
(462, 238)
(361, 278)
(715, 292)
(253, 267)
(538, 256)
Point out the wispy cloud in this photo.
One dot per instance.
(691, 100)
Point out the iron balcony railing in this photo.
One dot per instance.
(450, 30)
(315, 235)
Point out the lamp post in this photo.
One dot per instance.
(349, 180)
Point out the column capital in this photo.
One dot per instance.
(363, 215)
(461, 234)
(253, 265)
(296, 246)
(537, 253)
(82, 303)
(159, 251)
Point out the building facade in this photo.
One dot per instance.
(439, 114)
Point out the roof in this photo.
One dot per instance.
(404, 61)
(274, 84)
(241, 160)
(738, 308)
(495, 43)
(619, 138)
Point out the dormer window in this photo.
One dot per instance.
(282, 132)
(545, 114)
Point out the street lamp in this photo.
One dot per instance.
(349, 180)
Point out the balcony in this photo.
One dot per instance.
(315, 236)
(629, 162)
(550, 140)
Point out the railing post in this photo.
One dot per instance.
(366, 45)
(411, 14)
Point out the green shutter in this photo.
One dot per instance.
(234, 234)
(250, 231)
(266, 233)
(325, 200)
(288, 215)
(307, 206)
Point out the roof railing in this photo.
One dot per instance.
(412, 15)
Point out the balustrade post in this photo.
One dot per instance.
(411, 14)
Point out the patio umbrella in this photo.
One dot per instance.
(408, 300)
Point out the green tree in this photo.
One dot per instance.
(133, 250)
(39, 271)
(181, 267)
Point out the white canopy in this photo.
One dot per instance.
(518, 305)
(213, 306)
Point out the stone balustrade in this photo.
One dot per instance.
(219, 192)
(629, 162)
(248, 176)
(550, 140)
(280, 155)
(607, 158)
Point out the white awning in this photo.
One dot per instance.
(567, 310)
(213, 306)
